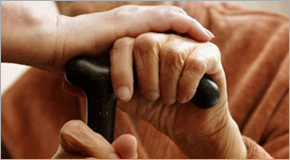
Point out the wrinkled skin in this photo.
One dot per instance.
(43, 122)
(199, 133)
(174, 73)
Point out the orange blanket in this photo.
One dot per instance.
(255, 56)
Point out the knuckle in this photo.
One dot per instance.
(215, 47)
(216, 50)
(212, 46)
(178, 9)
(209, 45)
(145, 37)
(131, 8)
(196, 66)
(213, 50)
(121, 44)
(70, 128)
(173, 58)
(168, 12)
(144, 42)
(122, 41)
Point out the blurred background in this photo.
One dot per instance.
(273, 6)
(11, 72)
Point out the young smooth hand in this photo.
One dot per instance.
(37, 37)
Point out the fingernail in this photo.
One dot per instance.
(169, 101)
(209, 33)
(123, 93)
(114, 156)
(152, 96)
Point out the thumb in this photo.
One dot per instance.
(126, 146)
(77, 137)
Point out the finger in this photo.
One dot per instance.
(202, 60)
(146, 56)
(175, 19)
(159, 19)
(122, 68)
(172, 57)
(126, 146)
(77, 137)
(61, 154)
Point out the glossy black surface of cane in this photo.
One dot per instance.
(207, 93)
(93, 77)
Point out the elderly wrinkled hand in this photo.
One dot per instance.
(169, 68)
(78, 141)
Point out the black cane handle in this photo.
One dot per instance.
(92, 75)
